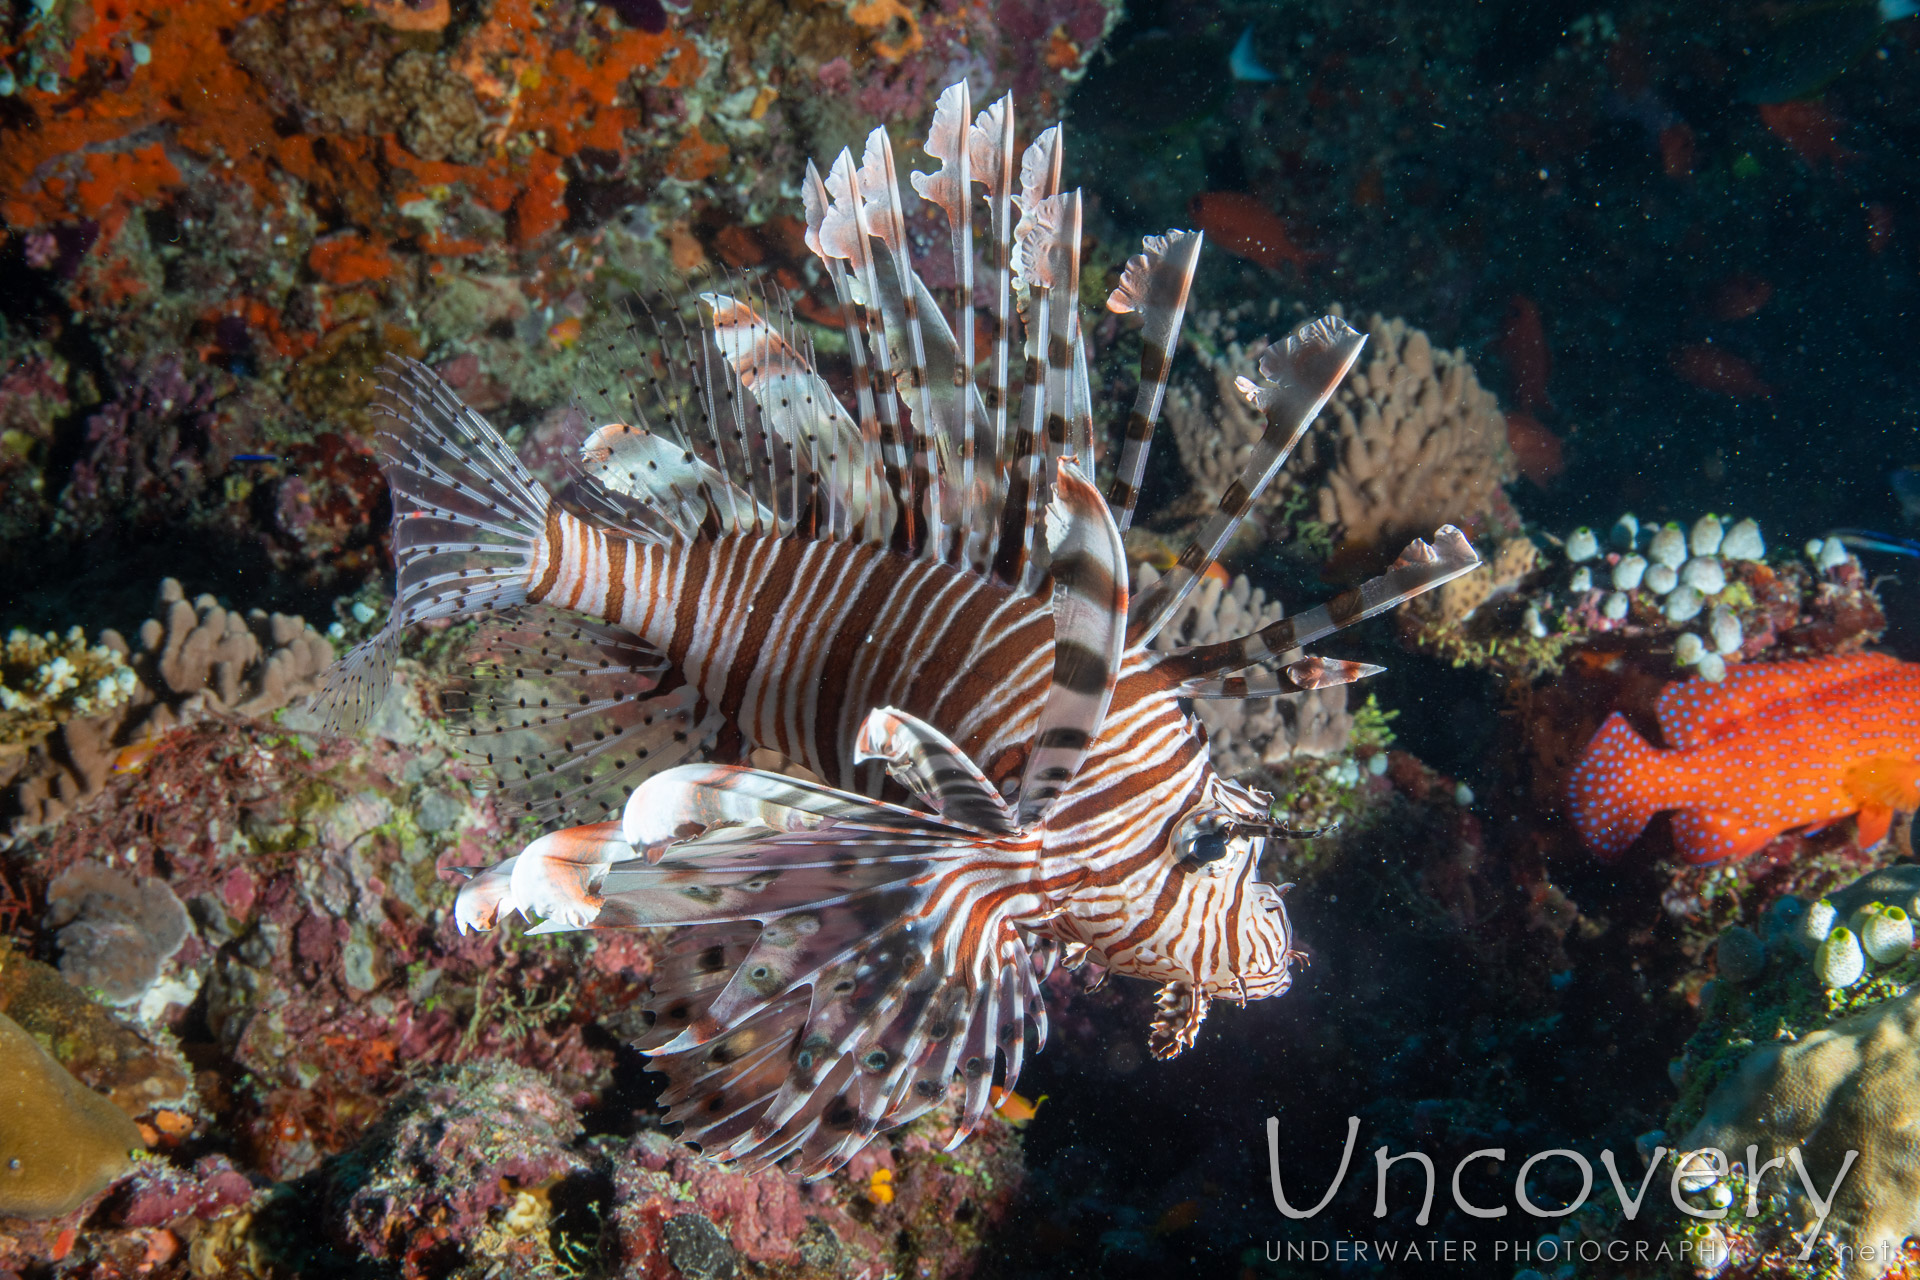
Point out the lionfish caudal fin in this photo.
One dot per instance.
(846, 964)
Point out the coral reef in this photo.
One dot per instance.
(1847, 1089)
(470, 1159)
(1538, 610)
(142, 1073)
(114, 931)
(61, 1144)
(935, 1215)
(245, 205)
(198, 659)
(428, 1087)
(45, 680)
(1410, 442)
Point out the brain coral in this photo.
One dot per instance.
(1854, 1086)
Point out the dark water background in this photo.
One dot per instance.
(1506, 149)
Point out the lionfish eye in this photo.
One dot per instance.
(1201, 839)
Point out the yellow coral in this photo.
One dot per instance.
(1854, 1086)
(60, 1142)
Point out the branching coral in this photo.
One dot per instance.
(1415, 443)
(46, 680)
(197, 659)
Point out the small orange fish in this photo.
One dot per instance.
(133, 757)
(1536, 450)
(880, 1186)
(1013, 1108)
(1773, 747)
(1162, 555)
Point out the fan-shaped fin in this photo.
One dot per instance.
(844, 920)
(570, 716)
(467, 522)
(674, 805)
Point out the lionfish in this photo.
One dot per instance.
(915, 615)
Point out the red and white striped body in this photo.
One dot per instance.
(797, 641)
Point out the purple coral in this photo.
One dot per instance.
(148, 443)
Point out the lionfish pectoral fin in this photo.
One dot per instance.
(1298, 377)
(939, 774)
(555, 876)
(570, 716)
(833, 980)
(1421, 567)
(835, 1013)
(1181, 1009)
(734, 802)
(1089, 635)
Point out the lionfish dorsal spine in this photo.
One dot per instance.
(846, 232)
(1155, 285)
(990, 156)
(879, 189)
(1303, 676)
(826, 243)
(1299, 376)
(1422, 567)
(1063, 334)
(951, 187)
(1089, 570)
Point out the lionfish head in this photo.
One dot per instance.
(1240, 920)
